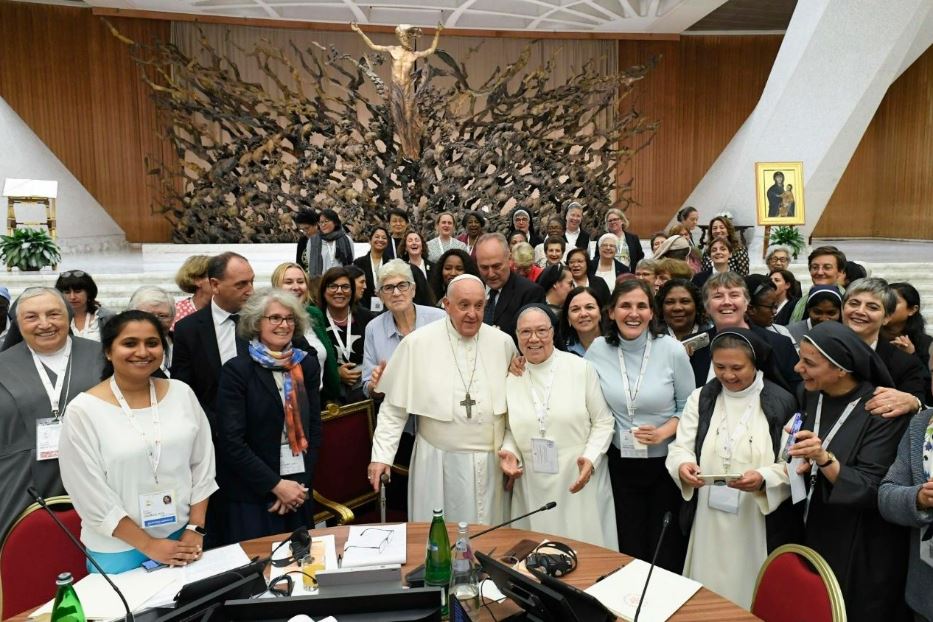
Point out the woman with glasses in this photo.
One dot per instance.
(605, 266)
(80, 291)
(330, 247)
(628, 250)
(762, 306)
(159, 303)
(292, 278)
(646, 379)
(521, 222)
(269, 415)
(397, 290)
(556, 404)
(346, 327)
(580, 270)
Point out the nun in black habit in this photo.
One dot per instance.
(847, 452)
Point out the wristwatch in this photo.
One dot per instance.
(196, 529)
(830, 458)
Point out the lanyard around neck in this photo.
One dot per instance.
(54, 392)
(343, 348)
(542, 402)
(153, 449)
(729, 441)
(814, 469)
(631, 393)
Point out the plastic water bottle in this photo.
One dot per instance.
(463, 584)
(437, 559)
(67, 607)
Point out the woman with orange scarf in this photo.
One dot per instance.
(269, 420)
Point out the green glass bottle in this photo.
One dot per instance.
(437, 559)
(67, 607)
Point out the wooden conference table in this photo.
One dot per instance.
(594, 562)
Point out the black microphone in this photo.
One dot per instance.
(654, 560)
(416, 576)
(41, 501)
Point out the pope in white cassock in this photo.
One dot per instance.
(451, 374)
(560, 427)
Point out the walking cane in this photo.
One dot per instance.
(383, 480)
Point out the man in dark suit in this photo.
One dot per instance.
(207, 339)
(726, 299)
(204, 341)
(507, 292)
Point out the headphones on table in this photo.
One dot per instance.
(554, 559)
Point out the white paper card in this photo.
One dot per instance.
(667, 593)
(375, 545)
(375, 305)
(543, 455)
(213, 561)
(48, 431)
(798, 486)
(630, 447)
(289, 464)
(158, 508)
(724, 499)
(100, 602)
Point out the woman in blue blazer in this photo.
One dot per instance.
(269, 415)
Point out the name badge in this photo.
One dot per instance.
(375, 305)
(798, 487)
(48, 431)
(926, 552)
(543, 455)
(289, 464)
(158, 508)
(724, 499)
(631, 447)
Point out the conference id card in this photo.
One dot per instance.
(543, 455)
(48, 433)
(926, 552)
(288, 463)
(724, 499)
(157, 508)
(375, 305)
(631, 447)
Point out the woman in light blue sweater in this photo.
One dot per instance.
(906, 498)
(646, 379)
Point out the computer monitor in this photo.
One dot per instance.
(539, 602)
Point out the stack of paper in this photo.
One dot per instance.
(100, 602)
(621, 590)
(376, 545)
(212, 562)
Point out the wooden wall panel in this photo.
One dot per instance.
(887, 189)
(702, 90)
(78, 89)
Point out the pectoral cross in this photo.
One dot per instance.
(468, 403)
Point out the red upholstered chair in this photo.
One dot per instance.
(340, 484)
(33, 553)
(796, 584)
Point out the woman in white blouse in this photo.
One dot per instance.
(80, 291)
(136, 455)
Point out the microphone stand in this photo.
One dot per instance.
(654, 560)
(41, 501)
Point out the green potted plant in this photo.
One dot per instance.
(788, 236)
(29, 250)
